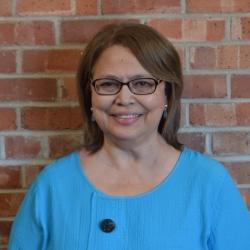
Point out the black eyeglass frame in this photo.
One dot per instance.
(156, 81)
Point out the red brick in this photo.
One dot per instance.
(81, 31)
(231, 143)
(246, 195)
(137, 6)
(191, 29)
(244, 56)
(5, 7)
(17, 147)
(7, 61)
(238, 5)
(171, 28)
(222, 57)
(203, 57)
(240, 171)
(193, 140)
(86, 7)
(27, 89)
(215, 29)
(36, 32)
(5, 227)
(60, 60)
(45, 7)
(63, 144)
(204, 86)
(203, 29)
(241, 28)
(69, 89)
(227, 56)
(51, 118)
(7, 33)
(203, 6)
(213, 114)
(22, 147)
(30, 173)
(194, 29)
(7, 118)
(221, 114)
(10, 177)
(241, 86)
(9, 203)
(243, 113)
(197, 114)
(27, 33)
(218, 6)
(245, 27)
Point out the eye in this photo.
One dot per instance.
(143, 83)
(107, 83)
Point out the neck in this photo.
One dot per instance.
(124, 155)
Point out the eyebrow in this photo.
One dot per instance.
(128, 78)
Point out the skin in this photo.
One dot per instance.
(134, 157)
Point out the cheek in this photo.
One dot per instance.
(100, 106)
(155, 102)
(95, 98)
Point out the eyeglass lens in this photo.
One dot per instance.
(141, 86)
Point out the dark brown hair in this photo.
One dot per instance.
(155, 53)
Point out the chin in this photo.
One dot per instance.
(129, 136)
(124, 137)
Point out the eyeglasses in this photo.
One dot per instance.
(139, 86)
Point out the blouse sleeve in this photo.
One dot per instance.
(231, 224)
(27, 232)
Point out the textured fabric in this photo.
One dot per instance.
(197, 206)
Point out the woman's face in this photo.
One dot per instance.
(125, 116)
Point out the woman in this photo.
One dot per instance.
(132, 186)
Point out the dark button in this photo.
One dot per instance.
(107, 225)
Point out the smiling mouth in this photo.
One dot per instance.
(128, 116)
(126, 119)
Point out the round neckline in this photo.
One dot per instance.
(158, 187)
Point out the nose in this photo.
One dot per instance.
(125, 96)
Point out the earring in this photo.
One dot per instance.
(165, 112)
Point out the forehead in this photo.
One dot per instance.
(118, 60)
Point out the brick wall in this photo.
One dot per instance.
(40, 45)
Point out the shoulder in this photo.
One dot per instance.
(204, 167)
(211, 181)
(62, 163)
(58, 171)
(202, 160)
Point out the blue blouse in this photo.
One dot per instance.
(196, 207)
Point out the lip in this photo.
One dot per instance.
(126, 118)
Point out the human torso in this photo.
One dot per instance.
(175, 214)
(165, 217)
